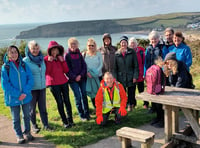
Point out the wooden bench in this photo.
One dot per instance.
(126, 134)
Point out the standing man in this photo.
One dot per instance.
(108, 54)
(169, 33)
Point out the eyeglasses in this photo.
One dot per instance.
(91, 45)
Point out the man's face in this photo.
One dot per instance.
(108, 78)
(169, 36)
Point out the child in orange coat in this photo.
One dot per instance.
(111, 98)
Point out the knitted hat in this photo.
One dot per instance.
(170, 56)
(53, 44)
(124, 38)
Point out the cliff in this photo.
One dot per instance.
(95, 27)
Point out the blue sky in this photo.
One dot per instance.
(34, 11)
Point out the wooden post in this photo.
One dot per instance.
(168, 122)
(175, 120)
(126, 142)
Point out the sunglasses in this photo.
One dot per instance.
(91, 45)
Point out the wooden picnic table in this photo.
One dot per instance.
(173, 99)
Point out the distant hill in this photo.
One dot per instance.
(95, 27)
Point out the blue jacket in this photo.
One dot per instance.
(37, 72)
(183, 53)
(151, 54)
(15, 82)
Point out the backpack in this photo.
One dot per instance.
(155, 80)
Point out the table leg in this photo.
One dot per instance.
(175, 120)
(168, 122)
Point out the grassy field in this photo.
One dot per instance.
(88, 132)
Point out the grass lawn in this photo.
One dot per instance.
(88, 132)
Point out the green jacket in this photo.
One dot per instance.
(126, 68)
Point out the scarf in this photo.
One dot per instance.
(36, 59)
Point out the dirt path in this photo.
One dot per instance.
(113, 142)
(8, 139)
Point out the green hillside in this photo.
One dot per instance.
(95, 27)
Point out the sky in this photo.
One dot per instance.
(51, 11)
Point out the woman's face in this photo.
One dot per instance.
(54, 52)
(35, 50)
(154, 41)
(177, 40)
(90, 46)
(13, 54)
(133, 45)
(168, 63)
(74, 46)
(107, 41)
(123, 45)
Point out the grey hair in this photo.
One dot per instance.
(132, 39)
(169, 29)
(154, 34)
(32, 43)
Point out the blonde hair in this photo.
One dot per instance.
(174, 67)
(132, 39)
(92, 41)
(72, 40)
(32, 43)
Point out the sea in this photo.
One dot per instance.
(9, 32)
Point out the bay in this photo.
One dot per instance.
(9, 32)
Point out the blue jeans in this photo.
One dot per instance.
(15, 112)
(79, 90)
(61, 95)
(39, 97)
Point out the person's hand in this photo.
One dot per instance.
(134, 80)
(89, 75)
(78, 78)
(50, 58)
(122, 111)
(60, 58)
(22, 97)
(99, 119)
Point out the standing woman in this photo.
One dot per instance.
(17, 83)
(56, 80)
(35, 60)
(183, 52)
(126, 70)
(94, 62)
(77, 77)
(140, 52)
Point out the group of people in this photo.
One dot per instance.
(104, 75)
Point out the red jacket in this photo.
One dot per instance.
(99, 97)
(55, 72)
(141, 60)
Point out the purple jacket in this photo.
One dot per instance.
(76, 64)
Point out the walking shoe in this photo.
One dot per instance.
(83, 119)
(35, 129)
(47, 128)
(72, 123)
(67, 125)
(20, 140)
(28, 136)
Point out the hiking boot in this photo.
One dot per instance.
(28, 136)
(35, 129)
(72, 123)
(20, 140)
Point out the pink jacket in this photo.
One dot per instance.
(55, 72)
(141, 61)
